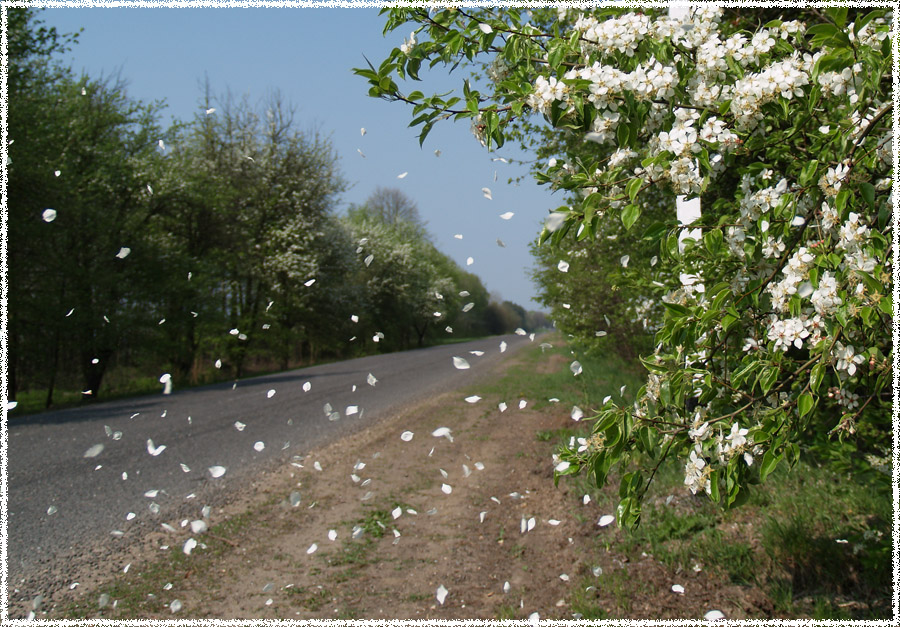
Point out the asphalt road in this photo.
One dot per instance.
(98, 498)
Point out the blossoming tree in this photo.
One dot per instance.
(776, 336)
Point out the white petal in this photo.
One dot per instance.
(406, 436)
(481, 516)
(239, 425)
(485, 28)
(469, 261)
(368, 260)
(502, 407)
(575, 367)
(199, 526)
(155, 450)
(351, 410)
(479, 466)
(577, 413)
(502, 347)
(531, 523)
(94, 451)
(507, 215)
(217, 471)
(460, 364)
(458, 236)
(259, 446)
(123, 252)
(562, 466)
(309, 283)
(189, 545)
(307, 386)
(467, 307)
(500, 243)
(354, 318)
(624, 260)
(362, 131)
(473, 399)
(563, 266)
(714, 615)
(487, 193)
(606, 519)
(397, 512)
(506, 587)
(442, 432)
(371, 380)
(441, 594)
(403, 175)
(312, 548)
(56, 173)
(678, 589)
(553, 522)
(446, 489)
(523, 404)
(332, 535)
(218, 363)
(521, 331)
(270, 393)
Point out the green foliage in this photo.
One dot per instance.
(772, 312)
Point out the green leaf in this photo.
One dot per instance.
(767, 378)
(713, 241)
(805, 404)
(630, 215)
(808, 173)
(868, 193)
(633, 187)
(838, 15)
(714, 485)
(769, 462)
(815, 377)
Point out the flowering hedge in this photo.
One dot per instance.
(776, 336)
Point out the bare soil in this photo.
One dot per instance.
(264, 569)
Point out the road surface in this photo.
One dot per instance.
(61, 502)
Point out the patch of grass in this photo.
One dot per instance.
(583, 600)
(506, 612)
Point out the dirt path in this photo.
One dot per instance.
(414, 535)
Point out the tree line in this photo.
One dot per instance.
(207, 249)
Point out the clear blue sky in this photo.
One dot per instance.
(308, 54)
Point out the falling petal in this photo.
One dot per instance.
(502, 407)
(71, 311)
(575, 367)
(210, 111)
(653, 260)
(468, 307)
(441, 594)
(361, 153)
(624, 260)
(123, 252)
(309, 283)
(487, 193)
(402, 175)
(622, 390)
(458, 236)
(51, 510)
(162, 145)
(460, 364)
(406, 436)
(500, 243)
(259, 446)
(521, 331)
(270, 393)
(473, 399)
(94, 451)
(606, 519)
(577, 413)
(56, 173)
(563, 266)
(307, 386)
(362, 131)
(469, 261)
(507, 215)
(217, 471)
(600, 333)
(368, 260)
(678, 589)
